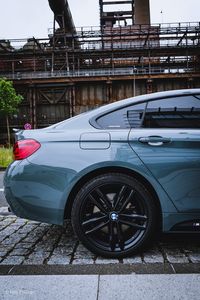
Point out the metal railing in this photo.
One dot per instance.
(95, 73)
(95, 34)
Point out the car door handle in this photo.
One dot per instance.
(154, 140)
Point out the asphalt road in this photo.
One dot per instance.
(2, 198)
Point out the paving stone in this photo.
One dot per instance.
(11, 218)
(12, 240)
(19, 251)
(136, 259)
(54, 230)
(176, 256)
(59, 260)
(3, 210)
(83, 261)
(36, 258)
(104, 261)
(81, 249)
(23, 245)
(3, 253)
(25, 230)
(21, 235)
(13, 260)
(41, 252)
(44, 225)
(6, 248)
(20, 221)
(29, 242)
(194, 248)
(83, 256)
(8, 231)
(66, 241)
(63, 251)
(6, 223)
(42, 246)
(31, 238)
(83, 253)
(153, 256)
(194, 257)
(31, 226)
(67, 228)
(2, 236)
(3, 227)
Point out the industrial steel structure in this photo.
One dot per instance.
(76, 69)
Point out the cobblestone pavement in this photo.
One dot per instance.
(24, 242)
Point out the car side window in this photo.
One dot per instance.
(176, 112)
(124, 118)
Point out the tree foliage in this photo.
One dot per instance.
(9, 100)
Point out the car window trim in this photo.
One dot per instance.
(93, 120)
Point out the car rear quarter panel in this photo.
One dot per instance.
(41, 184)
(61, 164)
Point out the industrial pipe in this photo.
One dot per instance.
(63, 15)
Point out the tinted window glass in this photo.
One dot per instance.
(179, 112)
(123, 118)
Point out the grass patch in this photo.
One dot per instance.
(6, 156)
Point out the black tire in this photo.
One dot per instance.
(114, 215)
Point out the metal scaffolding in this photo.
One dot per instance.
(159, 48)
(77, 69)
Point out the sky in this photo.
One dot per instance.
(27, 18)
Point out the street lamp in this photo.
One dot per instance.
(134, 72)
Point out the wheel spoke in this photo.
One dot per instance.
(94, 221)
(111, 215)
(98, 227)
(120, 196)
(104, 199)
(112, 236)
(120, 236)
(124, 204)
(98, 204)
(134, 225)
(134, 216)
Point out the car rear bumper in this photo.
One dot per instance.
(33, 194)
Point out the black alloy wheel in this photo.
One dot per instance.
(114, 215)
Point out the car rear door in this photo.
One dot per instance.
(169, 145)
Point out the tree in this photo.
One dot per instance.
(9, 101)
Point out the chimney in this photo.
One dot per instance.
(142, 12)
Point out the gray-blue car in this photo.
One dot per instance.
(121, 172)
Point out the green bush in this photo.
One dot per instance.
(5, 156)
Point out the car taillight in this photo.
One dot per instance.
(24, 148)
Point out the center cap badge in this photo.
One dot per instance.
(114, 216)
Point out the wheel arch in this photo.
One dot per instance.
(105, 170)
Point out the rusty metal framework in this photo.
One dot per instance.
(68, 73)
(140, 49)
(110, 17)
